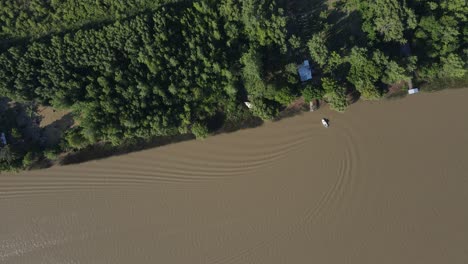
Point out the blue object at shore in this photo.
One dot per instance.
(3, 139)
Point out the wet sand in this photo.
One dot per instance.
(386, 183)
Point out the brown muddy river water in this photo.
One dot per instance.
(386, 183)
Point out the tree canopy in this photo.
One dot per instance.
(144, 68)
(152, 74)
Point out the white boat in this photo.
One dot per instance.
(325, 122)
(413, 91)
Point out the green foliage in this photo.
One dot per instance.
(139, 68)
(284, 96)
(12, 154)
(29, 159)
(266, 99)
(318, 49)
(265, 109)
(295, 42)
(75, 139)
(335, 60)
(334, 94)
(311, 92)
(445, 83)
(51, 154)
(429, 72)
(15, 133)
(386, 19)
(436, 32)
(137, 77)
(261, 22)
(199, 130)
(291, 73)
(451, 66)
(7, 155)
(364, 73)
(393, 73)
(34, 18)
(411, 63)
(390, 71)
(252, 73)
(441, 36)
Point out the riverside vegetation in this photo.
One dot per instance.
(145, 69)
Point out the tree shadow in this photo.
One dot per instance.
(232, 126)
(240, 118)
(353, 97)
(346, 31)
(105, 150)
(396, 95)
(27, 120)
(40, 164)
(52, 133)
(304, 16)
(20, 124)
(4, 104)
(298, 107)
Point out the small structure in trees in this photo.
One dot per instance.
(3, 139)
(305, 72)
(248, 104)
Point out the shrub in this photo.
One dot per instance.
(318, 49)
(393, 73)
(295, 42)
(29, 159)
(7, 154)
(75, 139)
(291, 74)
(284, 96)
(452, 67)
(200, 130)
(335, 94)
(51, 154)
(265, 109)
(311, 92)
(15, 133)
(365, 72)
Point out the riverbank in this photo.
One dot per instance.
(147, 82)
(298, 107)
(384, 184)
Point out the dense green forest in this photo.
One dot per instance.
(159, 68)
(35, 18)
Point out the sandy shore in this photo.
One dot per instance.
(386, 183)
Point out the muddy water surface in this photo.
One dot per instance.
(386, 183)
